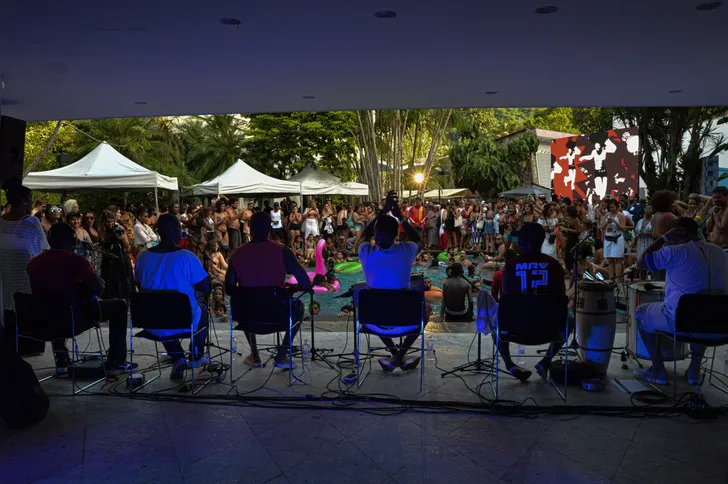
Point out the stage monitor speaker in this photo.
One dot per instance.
(12, 148)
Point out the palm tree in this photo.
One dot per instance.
(150, 142)
(212, 143)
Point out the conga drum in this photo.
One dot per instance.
(596, 323)
(643, 293)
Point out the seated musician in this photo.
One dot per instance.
(457, 297)
(387, 265)
(532, 273)
(693, 267)
(168, 267)
(265, 263)
(60, 272)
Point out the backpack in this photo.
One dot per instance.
(23, 401)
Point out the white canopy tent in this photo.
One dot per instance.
(242, 179)
(441, 193)
(103, 168)
(318, 182)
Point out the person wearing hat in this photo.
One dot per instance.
(455, 292)
(532, 273)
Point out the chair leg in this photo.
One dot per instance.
(159, 370)
(422, 356)
(357, 350)
(674, 365)
(497, 362)
(710, 378)
(232, 380)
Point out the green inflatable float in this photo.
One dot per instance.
(348, 267)
(443, 257)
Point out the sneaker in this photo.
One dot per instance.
(387, 364)
(694, 377)
(178, 369)
(200, 362)
(120, 368)
(522, 375)
(542, 370)
(250, 360)
(410, 364)
(285, 364)
(646, 375)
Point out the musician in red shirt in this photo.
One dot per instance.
(532, 273)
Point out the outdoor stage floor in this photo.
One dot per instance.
(99, 437)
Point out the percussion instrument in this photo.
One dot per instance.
(642, 293)
(596, 323)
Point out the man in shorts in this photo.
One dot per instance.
(693, 267)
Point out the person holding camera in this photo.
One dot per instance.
(116, 269)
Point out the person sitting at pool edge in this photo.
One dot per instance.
(264, 263)
(455, 292)
(541, 281)
(693, 267)
(387, 265)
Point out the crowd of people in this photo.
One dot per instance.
(126, 245)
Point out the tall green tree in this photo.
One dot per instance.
(674, 142)
(282, 144)
(554, 119)
(41, 142)
(211, 144)
(483, 164)
(592, 120)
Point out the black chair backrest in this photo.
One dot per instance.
(46, 317)
(268, 306)
(168, 310)
(702, 313)
(393, 307)
(530, 315)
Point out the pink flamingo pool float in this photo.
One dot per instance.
(320, 269)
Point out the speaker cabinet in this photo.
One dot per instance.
(12, 148)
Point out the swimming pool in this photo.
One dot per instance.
(330, 304)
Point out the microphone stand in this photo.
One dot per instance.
(479, 365)
(210, 344)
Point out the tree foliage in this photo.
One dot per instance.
(674, 141)
(481, 163)
(554, 119)
(283, 144)
(211, 144)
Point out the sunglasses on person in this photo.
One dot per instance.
(89, 217)
(55, 210)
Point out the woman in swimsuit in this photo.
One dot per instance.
(217, 266)
(489, 228)
(220, 219)
(358, 218)
(342, 216)
(295, 219)
(312, 221)
(476, 226)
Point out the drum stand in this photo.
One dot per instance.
(626, 352)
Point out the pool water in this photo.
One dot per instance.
(331, 305)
